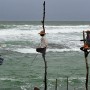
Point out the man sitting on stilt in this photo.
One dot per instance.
(43, 44)
(86, 46)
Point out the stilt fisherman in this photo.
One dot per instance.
(86, 46)
(43, 44)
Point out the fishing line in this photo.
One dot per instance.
(33, 59)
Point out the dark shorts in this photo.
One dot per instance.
(41, 50)
(83, 49)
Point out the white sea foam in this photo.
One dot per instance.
(55, 35)
(79, 78)
(66, 29)
(31, 29)
(69, 78)
(62, 50)
(31, 50)
(25, 50)
(16, 32)
(21, 31)
(12, 34)
(6, 78)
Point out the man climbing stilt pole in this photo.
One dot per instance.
(42, 48)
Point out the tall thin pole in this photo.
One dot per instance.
(43, 54)
(56, 85)
(87, 67)
(67, 83)
(87, 73)
(43, 16)
(45, 74)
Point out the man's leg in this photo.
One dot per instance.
(86, 53)
(82, 48)
(85, 50)
(44, 53)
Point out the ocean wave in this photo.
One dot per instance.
(25, 50)
(33, 26)
(16, 32)
(31, 50)
(34, 29)
(52, 35)
(9, 79)
(63, 50)
(69, 78)
(59, 46)
(12, 34)
(20, 27)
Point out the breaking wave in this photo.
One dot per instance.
(31, 50)
(60, 37)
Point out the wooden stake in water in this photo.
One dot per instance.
(45, 74)
(67, 83)
(56, 85)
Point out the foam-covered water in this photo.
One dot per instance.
(56, 34)
(18, 41)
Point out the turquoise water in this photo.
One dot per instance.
(64, 59)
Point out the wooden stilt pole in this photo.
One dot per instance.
(43, 16)
(87, 67)
(43, 54)
(56, 85)
(67, 83)
(45, 74)
(87, 73)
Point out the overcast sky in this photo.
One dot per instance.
(31, 10)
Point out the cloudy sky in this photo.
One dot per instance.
(31, 10)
